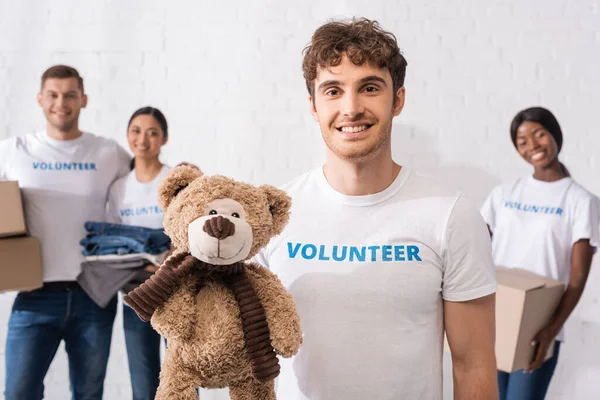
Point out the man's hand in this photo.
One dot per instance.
(542, 340)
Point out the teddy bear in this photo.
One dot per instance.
(224, 317)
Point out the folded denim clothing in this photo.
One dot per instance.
(155, 259)
(105, 238)
(102, 282)
(127, 264)
(105, 244)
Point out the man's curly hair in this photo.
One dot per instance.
(361, 40)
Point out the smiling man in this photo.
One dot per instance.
(380, 260)
(64, 175)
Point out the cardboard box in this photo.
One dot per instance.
(12, 218)
(525, 303)
(20, 264)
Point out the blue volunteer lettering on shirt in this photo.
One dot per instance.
(137, 211)
(533, 208)
(384, 253)
(64, 166)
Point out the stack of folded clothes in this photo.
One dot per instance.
(116, 256)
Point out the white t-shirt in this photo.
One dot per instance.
(534, 225)
(131, 202)
(369, 275)
(64, 184)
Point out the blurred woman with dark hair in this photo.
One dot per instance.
(133, 200)
(548, 224)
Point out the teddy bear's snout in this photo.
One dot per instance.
(219, 227)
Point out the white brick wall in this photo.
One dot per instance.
(228, 78)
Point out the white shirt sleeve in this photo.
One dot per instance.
(4, 157)
(123, 161)
(112, 206)
(489, 207)
(586, 220)
(467, 255)
(261, 258)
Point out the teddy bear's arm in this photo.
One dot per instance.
(282, 317)
(157, 289)
(176, 318)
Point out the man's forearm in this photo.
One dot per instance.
(475, 381)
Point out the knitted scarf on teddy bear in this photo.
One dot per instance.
(150, 295)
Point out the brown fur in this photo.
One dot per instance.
(224, 325)
(267, 208)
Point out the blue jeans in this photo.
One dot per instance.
(106, 244)
(39, 321)
(521, 386)
(143, 354)
(138, 239)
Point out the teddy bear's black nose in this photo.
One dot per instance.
(219, 227)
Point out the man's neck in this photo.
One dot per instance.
(58, 134)
(147, 169)
(360, 178)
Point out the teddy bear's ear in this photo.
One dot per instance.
(174, 182)
(279, 206)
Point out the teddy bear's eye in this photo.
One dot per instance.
(212, 212)
(235, 215)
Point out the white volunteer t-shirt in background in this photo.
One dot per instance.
(369, 275)
(64, 184)
(534, 225)
(131, 202)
